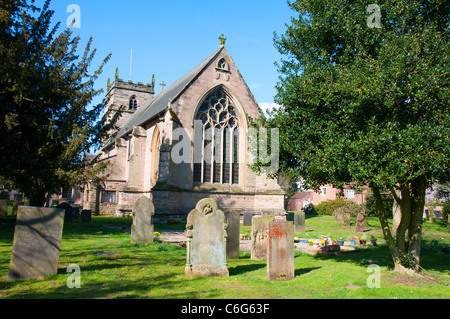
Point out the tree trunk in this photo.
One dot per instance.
(390, 241)
(396, 211)
(418, 189)
(405, 252)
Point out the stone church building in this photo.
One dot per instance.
(187, 143)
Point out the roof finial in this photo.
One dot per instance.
(222, 40)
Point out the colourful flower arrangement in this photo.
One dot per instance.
(246, 236)
(311, 242)
(182, 244)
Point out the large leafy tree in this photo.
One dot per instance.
(47, 122)
(366, 103)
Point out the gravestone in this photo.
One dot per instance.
(16, 205)
(280, 251)
(3, 207)
(233, 236)
(86, 215)
(68, 210)
(206, 241)
(299, 222)
(37, 242)
(259, 236)
(346, 219)
(142, 229)
(248, 219)
(75, 212)
(360, 221)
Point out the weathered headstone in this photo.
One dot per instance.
(16, 205)
(3, 207)
(233, 236)
(360, 221)
(37, 242)
(259, 237)
(206, 241)
(86, 215)
(299, 222)
(280, 251)
(142, 229)
(346, 219)
(68, 210)
(247, 219)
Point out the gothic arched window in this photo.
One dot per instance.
(220, 141)
(133, 104)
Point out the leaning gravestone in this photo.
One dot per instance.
(3, 207)
(233, 236)
(259, 237)
(299, 222)
(248, 219)
(280, 251)
(75, 212)
(142, 229)
(37, 242)
(206, 241)
(360, 221)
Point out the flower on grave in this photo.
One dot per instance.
(311, 242)
(322, 243)
(183, 244)
(156, 234)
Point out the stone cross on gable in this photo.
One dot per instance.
(162, 85)
(222, 39)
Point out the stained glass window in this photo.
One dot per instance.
(220, 147)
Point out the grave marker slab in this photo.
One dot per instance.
(233, 235)
(206, 241)
(280, 251)
(68, 210)
(37, 242)
(142, 229)
(299, 222)
(248, 219)
(360, 221)
(3, 207)
(86, 215)
(259, 237)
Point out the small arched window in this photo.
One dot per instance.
(220, 147)
(223, 65)
(133, 105)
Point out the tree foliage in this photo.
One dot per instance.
(46, 121)
(368, 106)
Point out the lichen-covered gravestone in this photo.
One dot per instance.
(259, 236)
(206, 241)
(142, 229)
(37, 242)
(280, 251)
(360, 221)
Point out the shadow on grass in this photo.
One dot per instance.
(431, 259)
(304, 271)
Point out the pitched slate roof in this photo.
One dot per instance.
(161, 102)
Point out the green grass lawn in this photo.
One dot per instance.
(157, 270)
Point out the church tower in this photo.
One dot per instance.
(131, 96)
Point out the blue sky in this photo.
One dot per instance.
(170, 37)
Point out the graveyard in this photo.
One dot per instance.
(113, 266)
